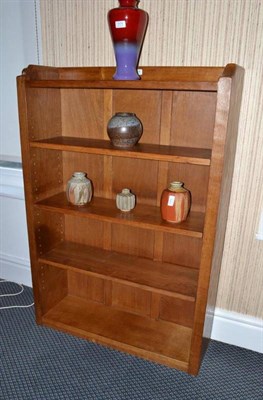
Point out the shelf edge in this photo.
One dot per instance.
(124, 154)
(169, 293)
(48, 319)
(127, 349)
(143, 225)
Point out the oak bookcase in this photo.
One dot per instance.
(129, 280)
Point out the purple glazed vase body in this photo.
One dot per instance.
(127, 25)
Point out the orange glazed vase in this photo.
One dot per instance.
(175, 203)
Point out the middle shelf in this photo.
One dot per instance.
(147, 151)
(131, 270)
(143, 216)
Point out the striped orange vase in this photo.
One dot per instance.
(175, 203)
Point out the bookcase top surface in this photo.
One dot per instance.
(34, 72)
(196, 78)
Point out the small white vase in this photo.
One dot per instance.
(79, 189)
(125, 201)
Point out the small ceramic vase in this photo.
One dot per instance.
(125, 201)
(79, 189)
(124, 129)
(175, 203)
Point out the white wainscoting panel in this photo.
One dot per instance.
(14, 252)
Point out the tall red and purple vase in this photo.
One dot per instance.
(127, 25)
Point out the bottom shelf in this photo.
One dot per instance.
(158, 341)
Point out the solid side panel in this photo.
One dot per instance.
(24, 137)
(224, 142)
(229, 159)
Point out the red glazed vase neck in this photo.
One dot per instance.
(128, 3)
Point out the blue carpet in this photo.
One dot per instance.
(39, 363)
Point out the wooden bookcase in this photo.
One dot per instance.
(129, 280)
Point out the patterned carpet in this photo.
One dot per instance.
(39, 363)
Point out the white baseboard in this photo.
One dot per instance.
(11, 183)
(15, 269)
(238, 329)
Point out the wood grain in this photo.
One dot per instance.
(140, 151)
(53, 284)
(88, 287)
(176, 250)
(82, 113)
(131, 299)
(195, 179)
(203, 86)
(143, 216)
(223, 152)
(149, 116)
(177, 310)
(187, 128)
(155, 340)
(98, 75)
(40, 104)
(23, 124)
(77, 228)
(148, 274)
(133, 240)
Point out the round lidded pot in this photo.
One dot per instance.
(124, 129)
(125, 201)
(79, 189)
(175, 203)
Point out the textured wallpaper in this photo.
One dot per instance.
(182, 33)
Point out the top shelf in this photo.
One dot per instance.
(135, 85)
(145, 151)
(153, 78)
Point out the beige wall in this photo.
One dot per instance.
(191, 32)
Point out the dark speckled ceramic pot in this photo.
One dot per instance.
(124, 130)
